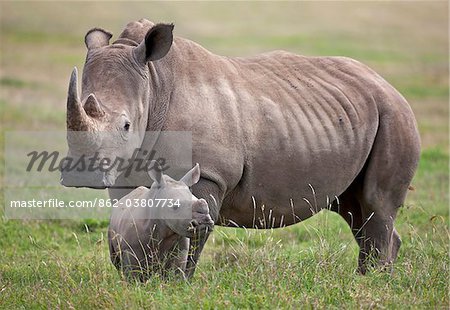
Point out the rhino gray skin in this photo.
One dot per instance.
(143, 240)
(279, 136)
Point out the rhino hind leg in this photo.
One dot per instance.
(370, 204)
(373, 231)
(375, 234)
(376, 243)
(387, 177)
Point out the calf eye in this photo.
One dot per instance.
(127, 126)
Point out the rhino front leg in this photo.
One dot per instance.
(211, 192)
(176, 257)
(195, 249)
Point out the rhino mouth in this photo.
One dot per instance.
(95, 179)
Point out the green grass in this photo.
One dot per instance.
(65, 264)
(12, 82)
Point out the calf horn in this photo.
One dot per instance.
(77, 119)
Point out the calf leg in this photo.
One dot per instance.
(175, 258)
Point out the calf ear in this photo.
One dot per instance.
(96, 38)
(156, 44)
(192, 176)
(155, 172)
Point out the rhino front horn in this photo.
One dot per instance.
(77, 120)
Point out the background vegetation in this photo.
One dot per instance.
(65, 264)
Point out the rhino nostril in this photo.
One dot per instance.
(194, 223)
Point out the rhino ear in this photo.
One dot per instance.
(155, 172)
(96, 38)
(156, 44)
(192, 176)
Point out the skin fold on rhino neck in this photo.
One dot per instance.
(160, 87)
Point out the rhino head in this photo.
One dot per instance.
(110, 118)
(145, 240)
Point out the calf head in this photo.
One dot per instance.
(166, 188)
(156, 239)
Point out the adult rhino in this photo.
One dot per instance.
(278, 136)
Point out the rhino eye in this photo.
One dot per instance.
(127, 126)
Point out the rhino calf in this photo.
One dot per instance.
(148, 239)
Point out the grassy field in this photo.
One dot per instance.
(65, 264)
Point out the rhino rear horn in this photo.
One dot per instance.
(97, 37)
(92, 107)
